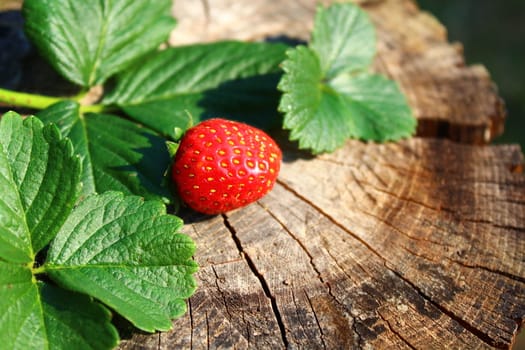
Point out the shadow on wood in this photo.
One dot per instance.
(416, 244)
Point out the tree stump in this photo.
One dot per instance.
(418, 244)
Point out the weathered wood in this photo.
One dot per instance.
(417, 244)
(376, 246)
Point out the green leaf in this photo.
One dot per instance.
(378, 108)
(344, 39)
(75, 321)
(118, 249)
(20, 309)
(116, 154)
(36, 315)
(314, 112)
(89, 41)
(228, 79)
(127, 253)
(329, 97)
(39, 181)
(15, 238)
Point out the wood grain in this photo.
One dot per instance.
(418, 244)
(374, 246)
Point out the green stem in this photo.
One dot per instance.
(22, 99)
(39, 270)
(80, 95)
(94, 108)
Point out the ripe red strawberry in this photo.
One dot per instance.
(221, 165)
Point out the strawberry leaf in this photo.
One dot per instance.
(39, 183)
(37, 315)
(311, 113)
(344, 39)
(120, 249)
(89, 41)
(228, 79)
(378, 107)
(39, 180)
(128, 254)
(329, 97)
(116, 154)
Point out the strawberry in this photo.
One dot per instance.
(222, 165)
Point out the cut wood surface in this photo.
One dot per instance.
(418, 244)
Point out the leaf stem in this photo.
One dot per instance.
(92, 108)
(39, 270)
(22, 99)
(97, 108)
(80, 95)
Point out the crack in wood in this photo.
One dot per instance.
(396, 333)
(437, 324)
(260, 277)
(247, 324)
(208, 337)
(491, 223)
(507, 227)
(421, 170)
(488, 269)
(439, 209)
(192, 323)
(344, 271)
(345, 229)
(354, 327)
(316, 319)
(358, 337)
(373, 278)
(219, 289)
(414, 238)
(331, 219)
(298, 319)
(510, 201)
(485, 338)
(314, 267)
(429, 259)
(298, 241)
